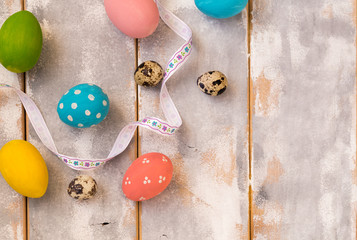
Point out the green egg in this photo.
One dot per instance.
(20, 42)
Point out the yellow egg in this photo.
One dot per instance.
(23, 168)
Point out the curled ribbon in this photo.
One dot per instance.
(126, 134)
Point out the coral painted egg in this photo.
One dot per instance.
(83, 106)
(23, 168)
(135, 18)
(147, 176)
(221, 8)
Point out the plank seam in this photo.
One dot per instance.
(25, 201)
(138, 205)
(25, 137)
(250, 110)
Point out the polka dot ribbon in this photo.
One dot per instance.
(162, 127)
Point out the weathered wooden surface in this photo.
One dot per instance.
(82, 46)
(303, 73)
(303, 67)
(208, 196)
(12, 205)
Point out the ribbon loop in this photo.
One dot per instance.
(162, 127)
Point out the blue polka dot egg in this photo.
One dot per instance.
(83, 106)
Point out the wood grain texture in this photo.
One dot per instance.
(208, 196)
(303, 68)
(12, 210)
(82, 46)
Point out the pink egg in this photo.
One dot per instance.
(135, 18)
(147, 176)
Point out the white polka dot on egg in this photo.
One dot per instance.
(80, 125)
(87, 112)
(77, 92)
(70, 118)
(105, 103)
(61, 106)
(74, 105)
(91, 97)
(99, 115)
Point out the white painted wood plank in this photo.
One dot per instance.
(82, 46)
(208, 196)
(304, 125)
(12, 210)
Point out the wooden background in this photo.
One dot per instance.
(274, 157)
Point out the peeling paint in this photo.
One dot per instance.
(46, 29)
(327, 12)
(241, 233)
(267, 221)
(14, 226)
(274, 171)
(343, 10)
(354, 175)
(266, 96)
(221, 172)
(181, 179)
(130, 215)
(9, 3)
(14, 212)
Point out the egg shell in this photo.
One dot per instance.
(83, 187)
(212, 83)
(20, 42)
(221, 8)
(83, 106)
(135, 18)
(148, 74)
(23, 168)
(147, 176)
